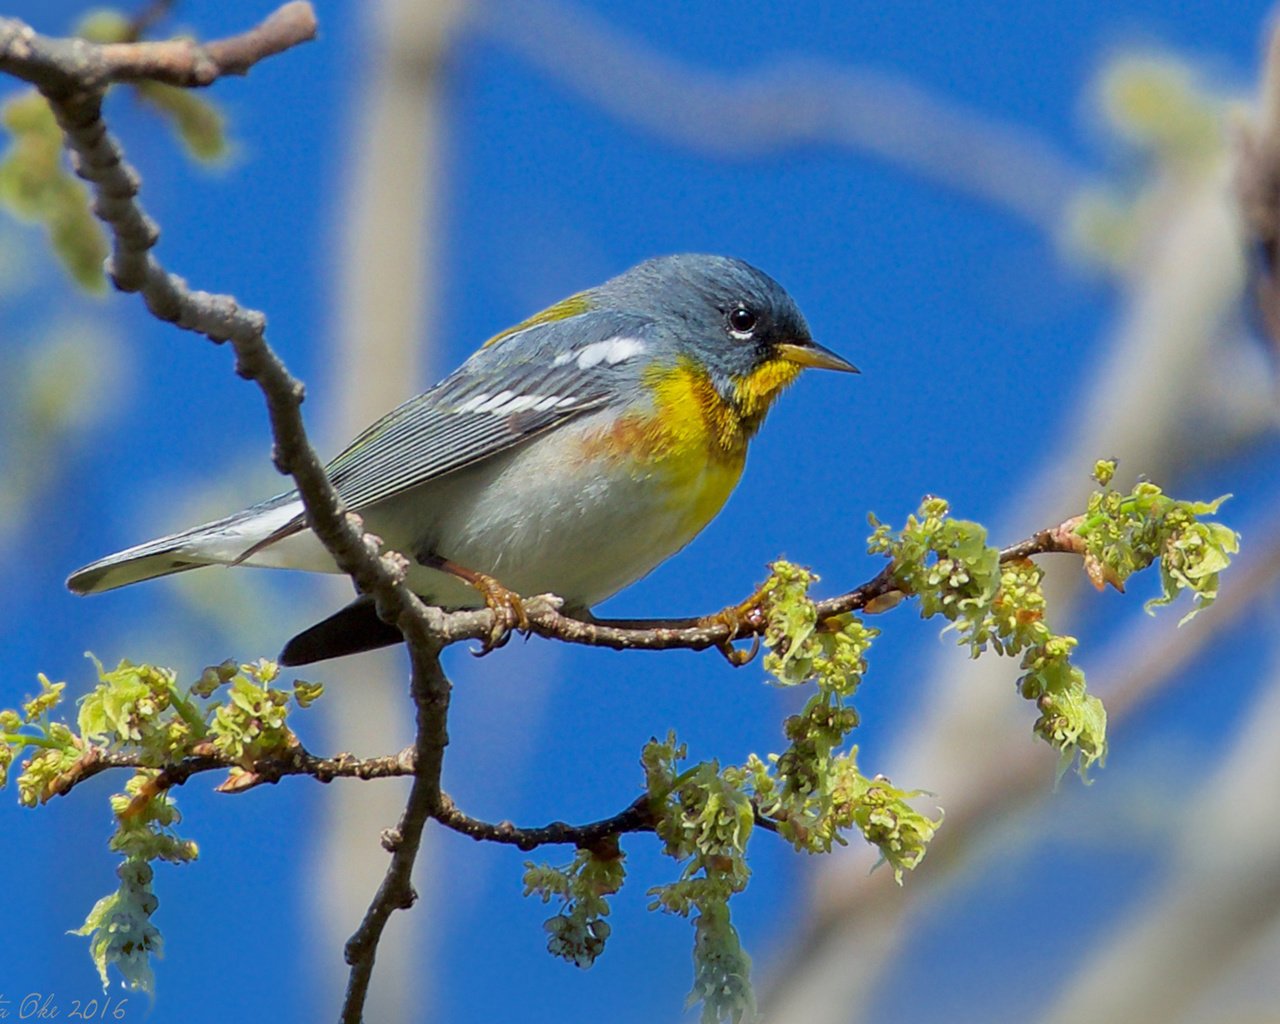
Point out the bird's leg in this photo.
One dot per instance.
(741, 618)
(508, 609)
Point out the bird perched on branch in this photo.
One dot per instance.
(571, 454)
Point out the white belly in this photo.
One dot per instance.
(535, 520)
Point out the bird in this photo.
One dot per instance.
(570, 454)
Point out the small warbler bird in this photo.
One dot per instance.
(571, 454)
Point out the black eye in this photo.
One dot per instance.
(742, 320)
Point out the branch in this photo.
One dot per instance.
(787, 104)
(299, 761)
(72, 76)
(1258, 189)
(63, 69)
(1138, 669)
(698, 633)
(431, 699)
(132, 267)
(635, 818)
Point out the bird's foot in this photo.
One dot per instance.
(507, 607)
(742, 619)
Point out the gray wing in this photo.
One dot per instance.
(503, 396)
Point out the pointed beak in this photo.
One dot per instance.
(810, 353)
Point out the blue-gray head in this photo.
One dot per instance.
(729, 318)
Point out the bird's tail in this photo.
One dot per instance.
(145, 562)
(224, 541)
(352, 630)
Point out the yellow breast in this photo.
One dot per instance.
(694, 442)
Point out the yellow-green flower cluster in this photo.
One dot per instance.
(831, 654)
(139, 707)
(947, 564)
(120, 929)
(813, 791)
(142, 712)
(1072, 721)
(1124, 533)
(251, 724)
(810, 793)
(705, 817)
(55, 748)
(579, 931)
(35, 184)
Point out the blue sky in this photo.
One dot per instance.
(977, 337)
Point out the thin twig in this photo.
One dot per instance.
(635, 818)
(299, 761)
(63, 69)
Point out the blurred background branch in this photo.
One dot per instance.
(387, 281)
(793, 103)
